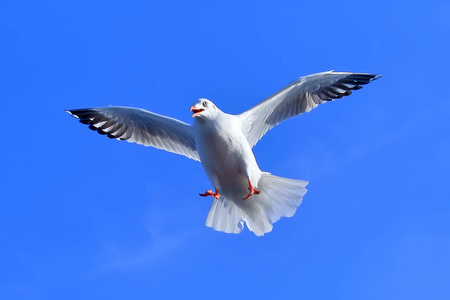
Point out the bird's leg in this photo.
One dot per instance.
(251, 189)
(211, 193)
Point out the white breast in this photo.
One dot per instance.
(226, 155)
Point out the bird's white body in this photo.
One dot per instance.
(223, 144)
(225, 154)
(246, 193)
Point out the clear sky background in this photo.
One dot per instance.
(85, 217)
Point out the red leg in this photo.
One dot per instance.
(251, 189)
(211, 193)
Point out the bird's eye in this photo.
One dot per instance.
(205, 103)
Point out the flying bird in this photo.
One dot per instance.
(223, 143)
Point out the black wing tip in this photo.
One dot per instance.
(365, 76)
(344, 86)
(359, 79)
(371, 77)
(71, 112)
(91, 117)
(82, 114)
(79, 111)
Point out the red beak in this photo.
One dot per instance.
(196, 111)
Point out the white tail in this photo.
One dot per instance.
(279, 197)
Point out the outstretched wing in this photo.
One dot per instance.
(301, 96)
(140, 126)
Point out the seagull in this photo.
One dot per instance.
(241, 192)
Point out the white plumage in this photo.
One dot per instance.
(223, 143)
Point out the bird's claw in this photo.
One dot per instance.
(252, 190)
(211, 193)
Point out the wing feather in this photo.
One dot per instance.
(300, 96)
(140, 126)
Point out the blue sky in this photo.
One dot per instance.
(85, 217)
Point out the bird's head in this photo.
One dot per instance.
(203, 109)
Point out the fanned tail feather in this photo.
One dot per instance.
(279, 197)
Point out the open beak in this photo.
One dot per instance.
(196, 111)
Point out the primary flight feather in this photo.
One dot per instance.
(223, 144)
